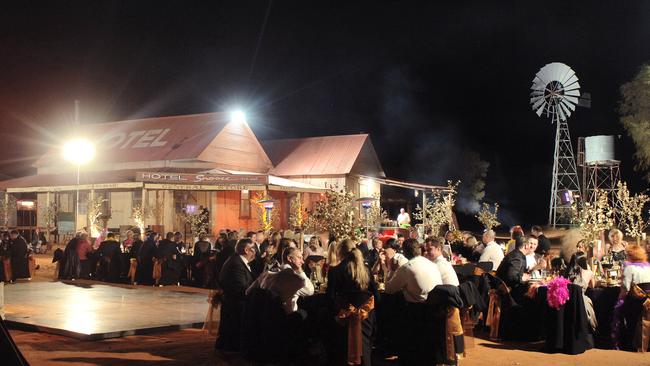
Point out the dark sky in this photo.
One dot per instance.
(440, 87)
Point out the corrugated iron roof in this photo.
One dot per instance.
(324, 155)
(70, 179)
(149, 139)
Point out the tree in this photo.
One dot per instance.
(594, 218)
(632, 211)
(487, 217)
(95, 206)
(439, 210)
(296, 212)
(635, 116)
(337, 213)
(7, 204)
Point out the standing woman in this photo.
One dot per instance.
(617, 245)
(353, 294)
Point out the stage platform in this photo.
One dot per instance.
(89, 310)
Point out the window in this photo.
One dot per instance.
(244, 204)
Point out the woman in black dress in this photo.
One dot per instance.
(352, 293)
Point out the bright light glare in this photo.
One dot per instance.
(79, 151)
(238, 117)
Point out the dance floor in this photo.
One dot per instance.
(89, 310)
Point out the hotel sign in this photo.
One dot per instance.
(203, 179)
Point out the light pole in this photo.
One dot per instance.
(366, 203)
(268, 206)
(78, 152)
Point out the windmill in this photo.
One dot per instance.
(555, 93)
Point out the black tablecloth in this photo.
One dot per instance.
(566, 329)
(604, 299)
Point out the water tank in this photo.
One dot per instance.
(599, 149)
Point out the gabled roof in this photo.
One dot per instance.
(325, 155)
(209, 137)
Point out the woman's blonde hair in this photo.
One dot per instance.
(616, 232)
(636, 254)
(355, 265)
(275, 238)
(332, 254)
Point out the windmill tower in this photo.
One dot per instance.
(554, 93)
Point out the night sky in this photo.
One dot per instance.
(442, 88)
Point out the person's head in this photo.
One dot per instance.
(615, 236)
(434, 247)
(13, 234)
(204, 236)
(293, 257)
(413, 233)
(82, 236)
(449, 235)
(636, 254)
(581, 246)
(471, 242)
(521, 243)
(531, 245)
(129, 234)
(232, 235)
(400, 239)
(377, 244)
(516, 231)
(411, 248)
(536, 230)
(260, 236)
(179, 237)
(314, 243)
(110, 236)
(488, 236)
(275, 238)
(169, 236)
(354, 264)
(244, 248)
(401, 211)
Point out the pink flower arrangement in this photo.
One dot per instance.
(558, 292)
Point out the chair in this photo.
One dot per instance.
(434, 334)
(268, 334)
(634, 323)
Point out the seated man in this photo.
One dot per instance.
(512, 269)
(434, 254)
(416, 277)
(289, 283)
(492, 251)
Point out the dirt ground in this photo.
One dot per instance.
(195, 347)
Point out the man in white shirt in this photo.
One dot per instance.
(403, 218)
(492, 252)
(289, 283)
(415, 278)
(434, 254)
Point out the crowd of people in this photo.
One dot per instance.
(319, 282)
